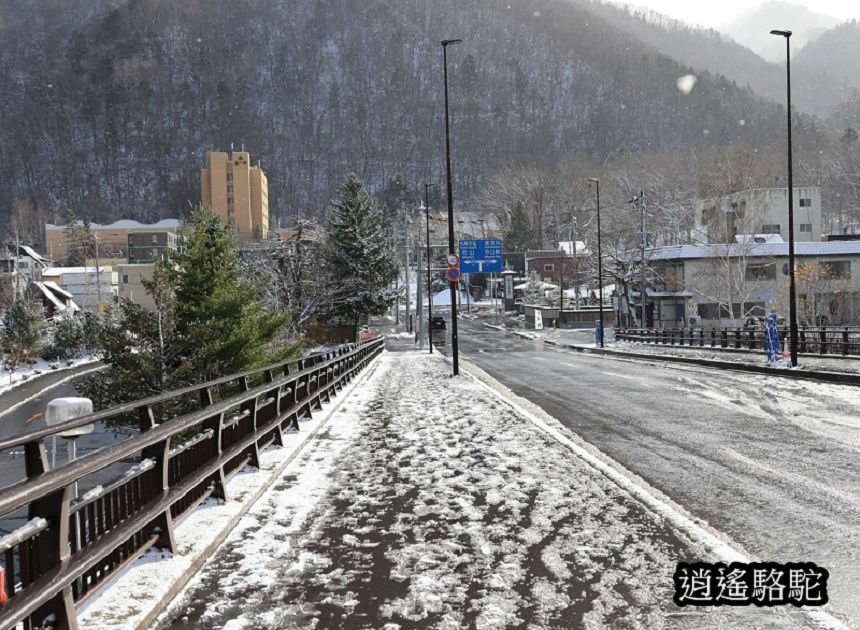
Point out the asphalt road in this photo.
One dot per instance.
(30, 416)
(772, 463)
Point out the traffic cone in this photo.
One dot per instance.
(786, 355)
(3, 595)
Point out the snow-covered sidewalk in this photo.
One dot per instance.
(430, 502)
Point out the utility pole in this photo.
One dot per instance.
(98, 275)
(419, 298)
(455, 347)
(406, 268)
(642, 232)
(575, 266)
(429, 281)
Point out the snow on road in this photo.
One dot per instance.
(429, 503)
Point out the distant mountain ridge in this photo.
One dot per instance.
(752, 28)
(111, 113)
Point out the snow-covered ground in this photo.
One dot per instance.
(9, 379)
(429, 502)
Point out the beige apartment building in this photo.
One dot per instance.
(237, 192)
(113, 238)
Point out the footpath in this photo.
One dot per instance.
(426, 501)
(813, 366)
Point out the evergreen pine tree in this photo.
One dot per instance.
(520, 235)
(219, 314)
(25, 324)
(68, 337)
(357, 256)
(208, 322)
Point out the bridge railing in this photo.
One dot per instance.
(822, 340)
(70, 546)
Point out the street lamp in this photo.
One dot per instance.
(792, 291)
(429, 281)
(455, 351)
(599, 259)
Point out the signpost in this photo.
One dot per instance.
(481, 256)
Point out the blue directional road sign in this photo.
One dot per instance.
(482, 256)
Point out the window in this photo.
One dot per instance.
(836, 269)
(549, 267)
(760, 272)
(229, 177)
(806, 227)
(771, 228)
(155, 238)
(230, 189)
(709, 311)
(805, 202)
(125, 278)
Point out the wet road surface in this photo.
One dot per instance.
(770, 462)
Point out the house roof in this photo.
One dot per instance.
(53, 286)
(753, 250)
(58, 271)
(122, 224)
(567, 247)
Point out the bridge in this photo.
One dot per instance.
(541, 489)
(187, 445)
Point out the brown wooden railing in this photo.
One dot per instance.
(823, 340)
(70, 547)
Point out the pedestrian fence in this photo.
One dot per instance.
(185, 446)
(824, 340)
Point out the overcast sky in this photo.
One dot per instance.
(713, 13)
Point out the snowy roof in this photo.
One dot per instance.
(53, 286)
(122, 224)
(756, 250)
(758, 238)
(51, 290)
(32, 253)
(58, 271)
(567, 247)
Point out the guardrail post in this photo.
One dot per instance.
(216, 424)
(822, 348)
(160, 481)
(51, 550)
(845, 341)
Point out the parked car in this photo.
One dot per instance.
(438, 324)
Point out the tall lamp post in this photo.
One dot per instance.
(455, 350)
(429, 280)
(792, 290)
(599, 259)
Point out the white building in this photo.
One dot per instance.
(758, 211)
(724, 284)
(87, 286)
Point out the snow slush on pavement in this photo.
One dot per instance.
(430, 502)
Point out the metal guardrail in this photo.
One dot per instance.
(71, 547)
(823, 340)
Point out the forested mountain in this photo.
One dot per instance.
(108, 108)
(836, 52)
